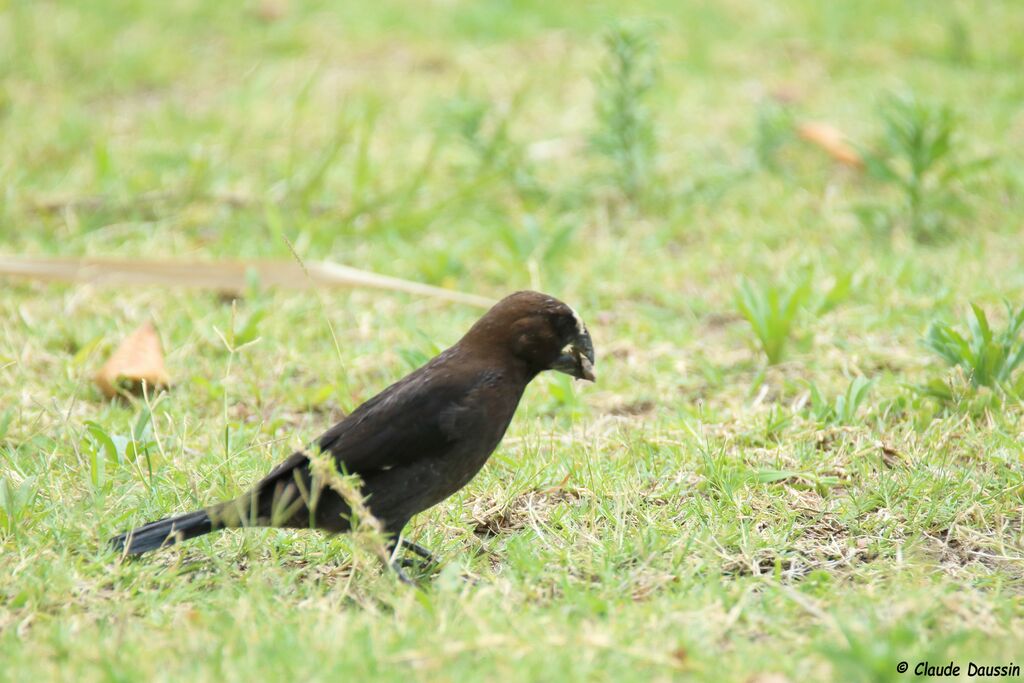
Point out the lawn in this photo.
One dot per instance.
(789, 468)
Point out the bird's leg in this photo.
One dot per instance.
(397, 564)
(396, 567)
(418, 550)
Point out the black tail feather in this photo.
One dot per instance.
(164, 532)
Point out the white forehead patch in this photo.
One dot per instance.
(580, 327)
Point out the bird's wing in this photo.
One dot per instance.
(414, 418)
(424, 415)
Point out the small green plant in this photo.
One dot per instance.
(626, 127)
(918, 156)
(843, 409)
(771, 311)
(15, 501)
(247, 317)
(957, 394)
(106, 451)
(989, 359)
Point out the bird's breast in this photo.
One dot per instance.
(474, 427)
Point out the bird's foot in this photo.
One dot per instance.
(396, 567)
(397, 564)
(409, 563)
(428, 557)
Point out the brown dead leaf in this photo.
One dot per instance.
(139, 358)
(832, 140)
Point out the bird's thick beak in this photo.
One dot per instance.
(577, 359)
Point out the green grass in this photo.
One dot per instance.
(989, 359)
(694, 515)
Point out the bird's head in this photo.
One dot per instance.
(540, 331)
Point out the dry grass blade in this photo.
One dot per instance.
(832, 140)
(139, 358)
(366, 529)
(224, 276)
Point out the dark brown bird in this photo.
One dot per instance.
(415, 443)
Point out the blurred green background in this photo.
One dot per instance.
(790, 466)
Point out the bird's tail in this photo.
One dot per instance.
(164, 532)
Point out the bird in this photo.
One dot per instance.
(412, 445)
